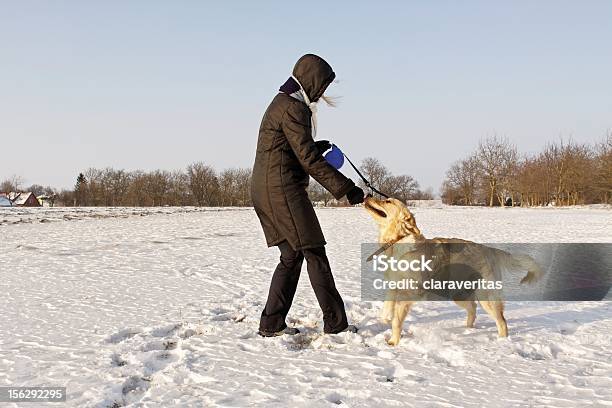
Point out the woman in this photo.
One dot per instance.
(286, 156)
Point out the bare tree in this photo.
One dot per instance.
(37, 189)
(463, 176)
(602, 183)
(203, 183)
(243, 186)
(426, 194)
(66, 198)
(94, 193)
(450, 194)
(497, 159)
(318, 193)
(227, 187)
(568, 170)
(13, 183)
(157, 186)
(373, 170)
(117, 184)
(580, 173)
(137, 192)
(234, 187)
(402, 187)
(531, 182)
(178, 190)
(556, 169)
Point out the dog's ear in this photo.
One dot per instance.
(408, 223)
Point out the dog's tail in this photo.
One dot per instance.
(525, 262)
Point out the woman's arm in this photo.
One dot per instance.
(297, 129)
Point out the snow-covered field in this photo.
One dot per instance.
(162, 310)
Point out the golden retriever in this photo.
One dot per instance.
(397, 226)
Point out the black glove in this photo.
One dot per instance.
(323, 145)
(355, 195)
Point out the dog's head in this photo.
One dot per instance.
(394, 220)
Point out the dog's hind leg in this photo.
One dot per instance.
(401, 310)
(470, 308)
(495, 309)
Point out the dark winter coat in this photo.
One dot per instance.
(286, 156)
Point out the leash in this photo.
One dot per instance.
(382, 249)
(365, 181)
(377, 191)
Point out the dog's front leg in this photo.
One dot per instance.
(401, 310)
(386, 314)
(387, 311)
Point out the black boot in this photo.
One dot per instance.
(292, 331)
(351, 328)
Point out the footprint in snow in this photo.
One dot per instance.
(168, 344)
(124, 334)
(141, 360)
(569, 327)
(133, 389)
(166, 330)
(398, 373)
(335, 398)
(221, 314)
(249, 348)
(117, 360)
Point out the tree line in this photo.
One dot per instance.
(198, 184)
(563, 173)
(201, 185)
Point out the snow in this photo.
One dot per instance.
(21, 215)
(162, 310)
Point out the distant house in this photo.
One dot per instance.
(25, 199)
(4, 200)
(46, 200)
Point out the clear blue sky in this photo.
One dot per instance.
(152, 84)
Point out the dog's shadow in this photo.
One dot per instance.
(565, 321)
(372, 325)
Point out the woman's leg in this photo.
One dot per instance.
(282, 289)
(322, 281)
